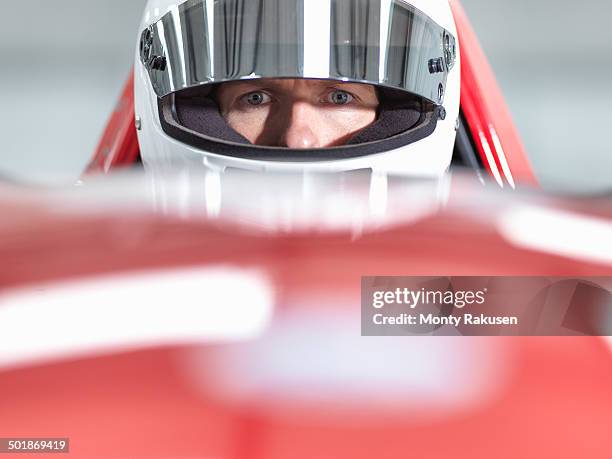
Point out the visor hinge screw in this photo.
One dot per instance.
(138, 123)
(442, 113)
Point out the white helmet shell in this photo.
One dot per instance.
(428, 157)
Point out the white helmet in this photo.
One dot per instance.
(408, 50)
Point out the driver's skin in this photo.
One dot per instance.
(297, 113)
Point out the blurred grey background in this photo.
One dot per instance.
(64, 63)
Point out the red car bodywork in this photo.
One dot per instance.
(554, 398)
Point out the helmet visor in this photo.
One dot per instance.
(383, 42)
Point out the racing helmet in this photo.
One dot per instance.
(407, 50)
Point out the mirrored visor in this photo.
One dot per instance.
(382, 42)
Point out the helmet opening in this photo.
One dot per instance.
(192, 116)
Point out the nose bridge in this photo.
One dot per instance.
(301, 110)
(301, 125)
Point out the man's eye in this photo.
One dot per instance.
(256, 98)
(340, 97)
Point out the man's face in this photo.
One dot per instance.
(297, 113)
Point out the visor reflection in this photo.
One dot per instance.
(373, 41)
